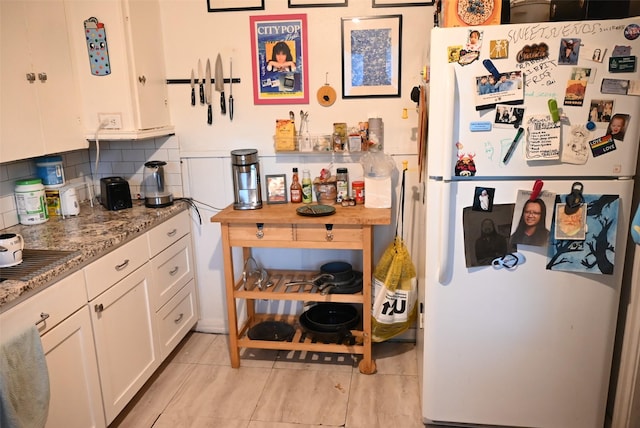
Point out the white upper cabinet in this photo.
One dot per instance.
(40, 108)
(133, 94)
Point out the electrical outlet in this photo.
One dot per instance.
(113, 120)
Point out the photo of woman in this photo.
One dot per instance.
(531, 229)
(281, 58)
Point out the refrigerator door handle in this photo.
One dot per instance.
(445, 224)
(446, 167)
(447, 128)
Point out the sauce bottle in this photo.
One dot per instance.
(342, 184)
(296, 188)
(307, 195)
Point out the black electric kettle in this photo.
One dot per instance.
(153, 185)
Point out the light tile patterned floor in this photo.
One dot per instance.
(197, 388)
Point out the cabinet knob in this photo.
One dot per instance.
(31, 77)
(98, 308)
(42, 77)
(177, 320)
(172, 233)
(260, 232)
(329, 228)
(174, 270)
(142, 79)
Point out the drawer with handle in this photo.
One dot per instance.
(165, 234)
(172, 269)
(112, 267)
(176, 318)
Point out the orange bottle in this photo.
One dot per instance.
(296, 188)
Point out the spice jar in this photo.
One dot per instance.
(342, 184)
(357, 190)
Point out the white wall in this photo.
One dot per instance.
(191, 33)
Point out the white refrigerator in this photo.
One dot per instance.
(526, 340)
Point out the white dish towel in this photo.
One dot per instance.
(24, 382)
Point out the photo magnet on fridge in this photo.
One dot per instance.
(532, 218)
(618, 126)
(483, 199)
(569, 51)
(508, 89)
(570, 226)
(486, 234)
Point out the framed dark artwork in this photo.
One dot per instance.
(318, 3)
(280, 59)
(276, 189)
(371, 56)
(233, 5)
(401, 3)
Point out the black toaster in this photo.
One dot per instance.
(115, 193)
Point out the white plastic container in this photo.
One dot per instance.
(50, 171)
(31, 202)
(378, 192)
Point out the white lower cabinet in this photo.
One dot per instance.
(126, 343)
(142, 301)
(62, 317)
(73, 374)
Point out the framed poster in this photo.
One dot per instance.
(318, 3)
(233, 5)
(280, 59)
(400, 3)
(276, 189)
(371, 56)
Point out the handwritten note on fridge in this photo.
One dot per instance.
(543, 138)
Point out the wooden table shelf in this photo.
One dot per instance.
(278, 226)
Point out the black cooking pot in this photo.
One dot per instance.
(332, 317)
(341, 272)
(342, 336)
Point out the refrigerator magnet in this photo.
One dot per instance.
(570, 226)
(576, 149)
(569, 51)
(602, 145)
(483, 199)
(622, 64)
(618, 126)
(498, 49)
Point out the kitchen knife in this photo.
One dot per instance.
(231, 88)
(207, 92)
(201, 79)
(193, 88)
(220, 84)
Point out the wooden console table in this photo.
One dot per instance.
(279, 226)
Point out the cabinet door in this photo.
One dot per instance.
(41, 115)
(125, 341)
(20, 129)
(147, 57)
(73, 374)
(58, 93)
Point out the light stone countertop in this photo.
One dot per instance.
(92, 234)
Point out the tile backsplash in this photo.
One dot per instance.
(116, 158)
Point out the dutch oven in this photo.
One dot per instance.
(330, 322)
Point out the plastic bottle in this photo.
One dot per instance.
(31, 204)
(342, 184)
(307, 195)
(296, 188)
